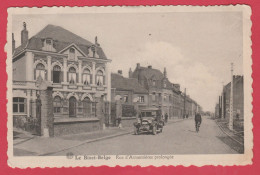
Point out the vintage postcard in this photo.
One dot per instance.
(148, 85)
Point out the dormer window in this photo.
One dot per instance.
(49, 42)
(72, 53)
(48, 45)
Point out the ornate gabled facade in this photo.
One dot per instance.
(77, 69)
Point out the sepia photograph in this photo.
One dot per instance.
(131, 85)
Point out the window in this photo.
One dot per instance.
(72, 54)
(165, 97)
(40, 71)
(57, 74)
(100, 78)
(48, 42)
(87, 107)
(153, 96)
(19, 105)
(164, 84)
(141, 99)
(72, 75)
(57, 104)
(126, 98)
(86, 77)
(154, 82)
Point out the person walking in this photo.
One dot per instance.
(198, 121)
(166, 117)
(119, 113)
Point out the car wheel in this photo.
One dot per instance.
(154, 130)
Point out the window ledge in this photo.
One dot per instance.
(86, 87)
(19, 114)
(56, 84)
(72, 86)
(128, 118)
(74, 120)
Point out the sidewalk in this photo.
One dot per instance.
(40, 146)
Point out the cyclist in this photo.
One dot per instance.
(198, 121)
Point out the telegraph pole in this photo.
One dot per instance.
(222, 107)
(184, 101)
(230, 125)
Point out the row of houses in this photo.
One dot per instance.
(149, 87)
(63, 83)
(222, 108)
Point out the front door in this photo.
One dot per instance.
(72, 107)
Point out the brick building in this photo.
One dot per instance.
(76, 69)
(162, 93)
(129, 90)
(238, 98)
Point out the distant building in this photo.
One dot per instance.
(162, 93)
(238, 98)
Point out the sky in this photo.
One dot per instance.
(196, 48)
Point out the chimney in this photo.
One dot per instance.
(165, 73)
(96, 41)
(120, 72)
(138, 66)
(24, 35)
(130, 73)
(13, 43)
(150, 67)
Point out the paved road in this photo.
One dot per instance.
(176, 138)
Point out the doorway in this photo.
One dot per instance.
(72, 107)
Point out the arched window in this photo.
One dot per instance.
(154, 82)
(57, 104)
(72, 75)
(57, 75)
(72, 53)
(86, 77)
(87, 107)
(19, 105)
(40, 71)
(100, 78)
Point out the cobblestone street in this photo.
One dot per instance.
(176, 138)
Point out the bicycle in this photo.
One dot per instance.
(197, 126)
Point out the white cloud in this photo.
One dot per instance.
(201, 85)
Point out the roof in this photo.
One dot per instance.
(129, 84)
(148, 73)
(236, 79)
(62, 38)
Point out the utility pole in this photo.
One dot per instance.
(222, 107)
(230, 125)
(185, 101)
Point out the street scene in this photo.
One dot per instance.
(178, 137)
(168, 83)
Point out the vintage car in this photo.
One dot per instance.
(149, 120)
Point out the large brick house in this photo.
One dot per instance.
(162, 93)
(77, 69)
(129, 90)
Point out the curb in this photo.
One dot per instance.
(88, 141)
